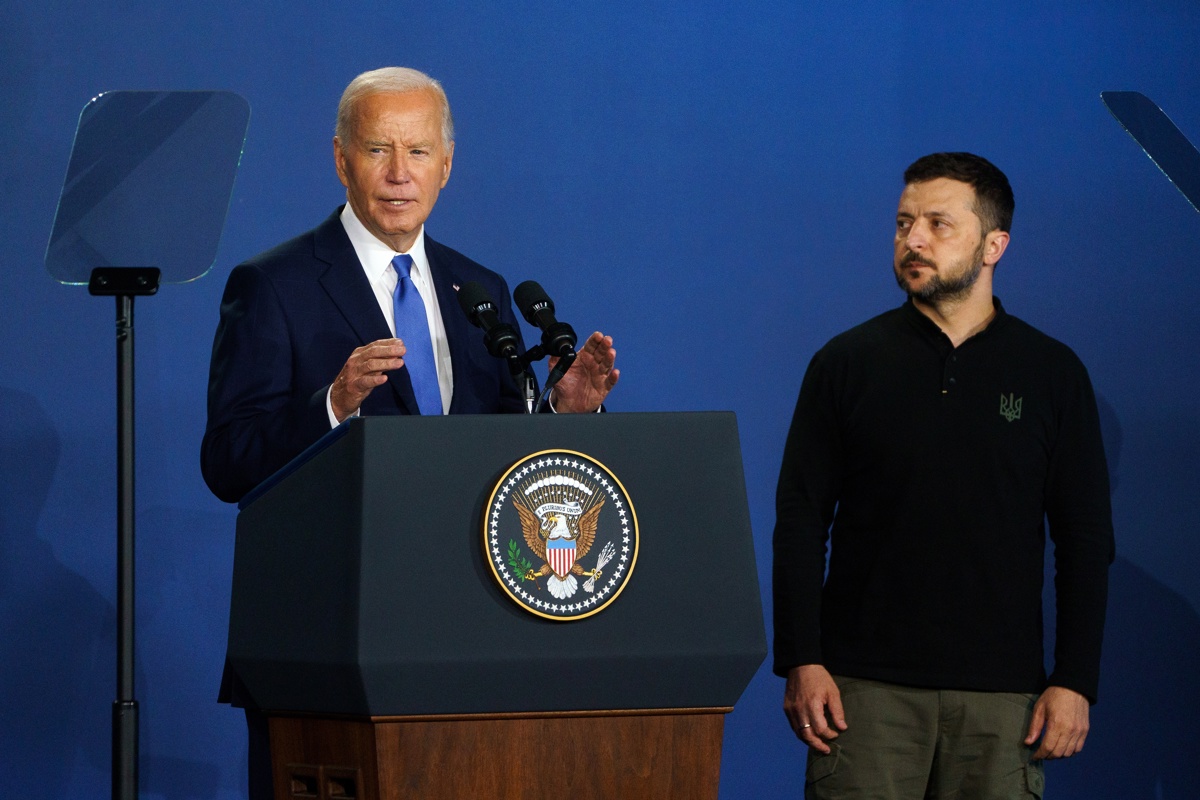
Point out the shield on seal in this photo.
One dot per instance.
(560, 555)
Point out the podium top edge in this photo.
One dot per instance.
(355, 423)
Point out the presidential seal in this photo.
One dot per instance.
(560, 535)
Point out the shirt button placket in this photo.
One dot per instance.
(948, 370)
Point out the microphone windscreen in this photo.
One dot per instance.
(529, 294)
(471, 295)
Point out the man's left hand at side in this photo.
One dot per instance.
(1060, 718)
(589, 380)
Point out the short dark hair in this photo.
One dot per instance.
(994, 201)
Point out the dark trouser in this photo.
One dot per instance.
(260, 785)
(904, 743)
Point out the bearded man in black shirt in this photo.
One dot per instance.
(928, 450)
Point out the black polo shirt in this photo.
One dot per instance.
(937, 468)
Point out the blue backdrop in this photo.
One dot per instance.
(713, 183)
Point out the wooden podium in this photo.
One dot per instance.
(651, 754)
(368, 626)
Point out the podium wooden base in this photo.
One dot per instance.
(604, 755)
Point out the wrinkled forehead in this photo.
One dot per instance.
(945, 193)
(940, 197)
(418, 108)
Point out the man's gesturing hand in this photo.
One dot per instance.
(813, 706)
(363, 371)
(590, 378)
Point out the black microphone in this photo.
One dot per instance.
(558, 338)
(499, 337)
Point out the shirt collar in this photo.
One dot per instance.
(930, 328)
(375, 256)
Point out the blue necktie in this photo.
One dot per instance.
(412, 325)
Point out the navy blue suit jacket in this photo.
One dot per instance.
(290, 318)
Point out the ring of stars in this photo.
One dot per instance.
(621, 534)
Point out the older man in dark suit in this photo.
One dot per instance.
(315, 330)
(358, 316)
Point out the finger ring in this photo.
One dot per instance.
(807, 725)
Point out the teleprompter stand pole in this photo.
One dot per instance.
(124, 283)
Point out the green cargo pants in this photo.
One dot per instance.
(904, 743)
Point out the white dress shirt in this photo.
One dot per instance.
(376, 260)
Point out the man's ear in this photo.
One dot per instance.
(995, 243)
(447, 165)
(339, 162)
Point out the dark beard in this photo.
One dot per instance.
(939, 289)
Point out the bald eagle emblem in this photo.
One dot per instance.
(578, 530)
(560, 532)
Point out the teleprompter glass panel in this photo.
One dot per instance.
(148, 184)
(1166, 145)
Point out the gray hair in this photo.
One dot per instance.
(390, 79)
